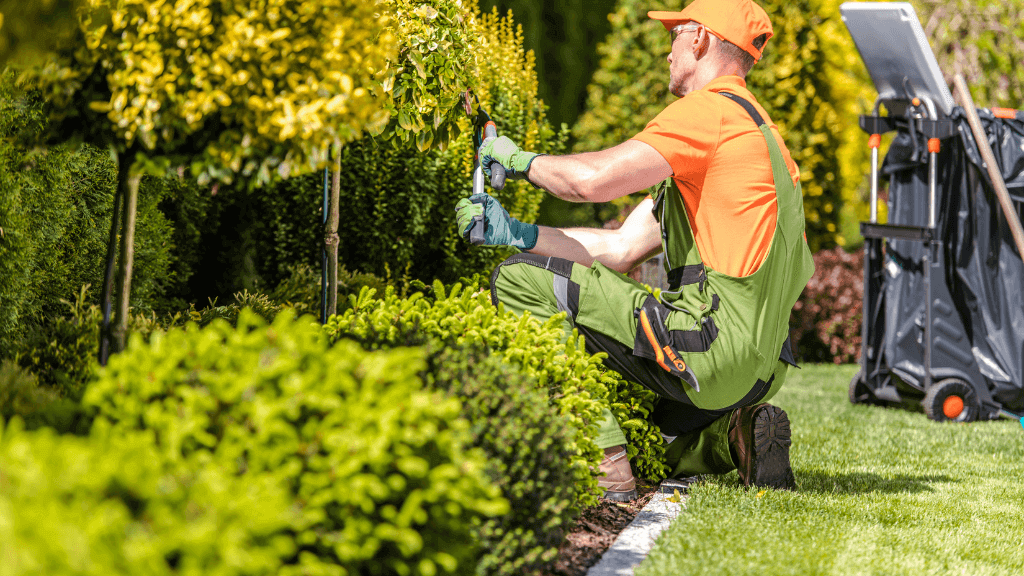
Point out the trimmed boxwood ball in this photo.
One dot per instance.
(379, 468)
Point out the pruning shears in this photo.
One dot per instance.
(483, 128)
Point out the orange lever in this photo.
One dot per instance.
(934, 145)
(875, 141)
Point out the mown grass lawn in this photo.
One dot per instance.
(881, 491)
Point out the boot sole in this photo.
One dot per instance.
(772, 439)
(619, 496)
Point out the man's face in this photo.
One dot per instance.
(681, 60)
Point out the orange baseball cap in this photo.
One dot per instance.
(738, 21)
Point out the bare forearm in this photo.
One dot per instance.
(587, 245)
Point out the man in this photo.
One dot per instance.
(729, 216)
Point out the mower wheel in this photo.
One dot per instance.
(859, 391)
(951, 400)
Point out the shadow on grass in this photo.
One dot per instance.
(866, 483)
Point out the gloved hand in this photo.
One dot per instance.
(500, 229)
(505, 152)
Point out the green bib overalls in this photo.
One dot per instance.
(714, 341)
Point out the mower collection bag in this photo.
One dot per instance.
(978, 276)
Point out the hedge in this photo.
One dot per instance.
(113, 506)
(826, 320)
(574, 380)
(377, 467)
(526, 441)
(55, 209)
(36, 406)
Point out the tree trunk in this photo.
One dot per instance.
(124, 277)
(331, 239)
(108, 276)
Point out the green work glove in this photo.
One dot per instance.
(505, 152)
(500, 229)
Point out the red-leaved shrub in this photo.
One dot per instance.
(825, 325)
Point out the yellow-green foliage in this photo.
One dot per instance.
(397, 203)
(29, 31)
(575, 380)
(981, 39)
(112, 505)
(377, 467)
(810, 81)
(506, 83)
(423, 85)
(236, 87)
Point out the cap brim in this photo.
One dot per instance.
(668, 19)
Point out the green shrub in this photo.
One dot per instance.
(21, 396)
(258, 303)
(62, 349)
(575, 381)
(811, 81)
(377, 467)
(112, 506)
(526, 441)
(528, 444)
(55, 208)
(397, 203)
(190, 210)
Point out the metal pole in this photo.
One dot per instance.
(932, 182)
(874, 184)
(323, 251)
(871, 253)
(932, 177)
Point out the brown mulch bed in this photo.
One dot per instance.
(596, 530)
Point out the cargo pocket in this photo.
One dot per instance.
(656, 342)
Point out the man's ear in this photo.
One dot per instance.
(705, 43)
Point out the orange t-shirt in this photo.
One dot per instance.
(720, 161)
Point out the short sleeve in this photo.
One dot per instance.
(686, 134)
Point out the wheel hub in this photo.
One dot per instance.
(952, 406)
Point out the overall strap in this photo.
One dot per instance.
(692, 271)
(746, 106)
(788, 196)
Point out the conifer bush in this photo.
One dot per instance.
(55, 209)
(61, 349)
(113, 505)
(378, 469)
(576, 382)
(525, 439)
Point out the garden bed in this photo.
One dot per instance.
(596, 530)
